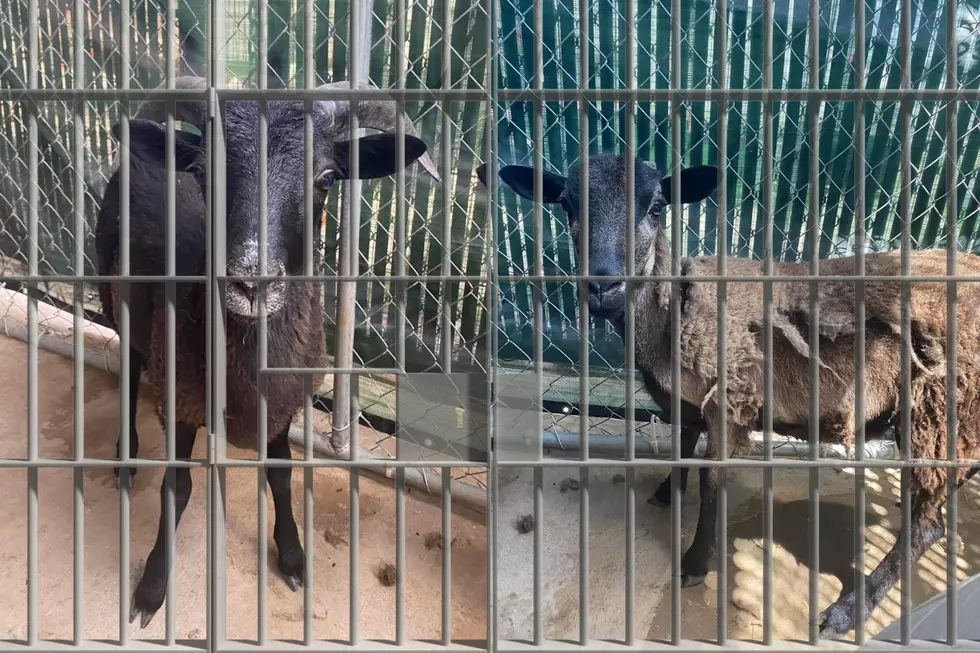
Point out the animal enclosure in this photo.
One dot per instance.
(459, 350)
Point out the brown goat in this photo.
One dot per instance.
(791, 347)
(294, 314)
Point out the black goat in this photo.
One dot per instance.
(294, 311)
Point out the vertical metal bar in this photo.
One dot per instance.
(859, 314)
(360, 40)
(400, 299)
(538, 317)
(905, 406)
(125, 481)
(767, 315)
(218, 252)
(721, 229)
(262, 360)
(584, 330)
(630, 327)
(491, 82)
(676, 216)
(447, 307)
(309, 541)
(310, 222)
(815, 235)
(952, 350)
(78, 332)
(171, 335)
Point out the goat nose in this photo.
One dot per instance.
(601, 286)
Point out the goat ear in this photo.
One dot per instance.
(148, 141)
(521, 180)
(481, 174)
(696, 184)
(377, 155)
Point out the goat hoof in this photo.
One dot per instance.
(838, 619)
(292, 567)
(662, 496)
(144, 604)
(692, 580)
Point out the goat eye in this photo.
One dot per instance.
(325, 180)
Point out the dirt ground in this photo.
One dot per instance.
(699, 605)
(101, 541)
(423, 573)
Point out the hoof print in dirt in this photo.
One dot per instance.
(525, 524)
(387, 574)
(568, 484)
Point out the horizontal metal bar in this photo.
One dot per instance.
(95, 463)
(736, 95)
(514, 278)
(341, 463)
(741, 463)
(271, 95)
(370, 463)
(368, 646)
(330, 370)
(507, 95)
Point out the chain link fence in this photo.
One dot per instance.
(453, 210)
(744, 217)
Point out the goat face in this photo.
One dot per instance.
(286, 179)
(608, 215)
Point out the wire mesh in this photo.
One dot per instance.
(429, 258)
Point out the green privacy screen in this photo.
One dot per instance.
(743, 218)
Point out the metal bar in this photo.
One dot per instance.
(584, 15)
(78, 333)
(516, 278)
(447, 312)
(537, 580)
(309, 541)
(219, 375)
(170, 400)
(310, 222)
(750, 463)
(860, 165)
(400, 299)
(33, 218)
(93, 463)
(125, 480)
(721, 229)
(952, 242)
(815, 235)
(905, 406)
(505, 95)
(767, 317)
(492, 289)
(676, 240)
(629, 341)
(262, 360)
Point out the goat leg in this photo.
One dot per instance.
(292, 563)
(697, 558)
(135, 369)
(152, 588)
(689, 442)
(927, 528)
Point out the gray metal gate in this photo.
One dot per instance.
(497, 400)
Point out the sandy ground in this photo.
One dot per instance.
(423, 578)
(699, 612)
(101, 541)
